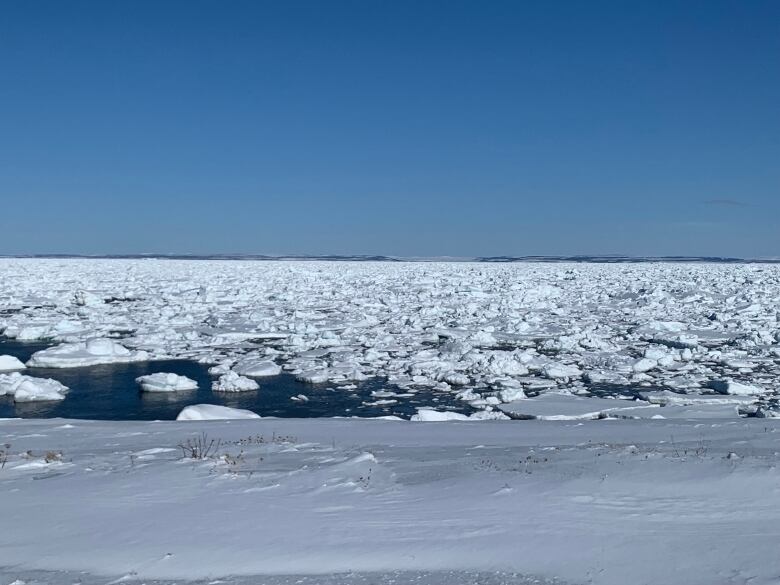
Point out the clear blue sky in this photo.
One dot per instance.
(394, 127)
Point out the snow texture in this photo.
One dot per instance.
(608, 503)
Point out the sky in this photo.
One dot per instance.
(409, 128)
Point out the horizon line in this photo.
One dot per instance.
(578, 258)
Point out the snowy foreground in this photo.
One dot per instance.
(487, 334)
(379, 501)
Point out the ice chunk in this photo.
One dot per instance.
(9, 363)
(257, 368)
(456, 379)
(667, 397)
(214, 412)
(30, 389)
(166, 382)
(312, 376)
(511, 394)
(84, 298)
(232, 382)
(736, 388)
(482, 339)
(766, 412)
(695, 411)
(93, 351)
(644, 365)
(488, 415)
(561, 371)
(219, 369)
(429, 415)
(565, 407)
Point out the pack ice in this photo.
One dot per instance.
(488, 334)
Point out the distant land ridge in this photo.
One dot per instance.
(380, 258)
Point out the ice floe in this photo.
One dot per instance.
(214, 412)
(232, 382)
(9, 363)
(566, 407)
(736, 388)
(88, 353)
(257, 368)
(31, 389)
(430, 415)
(166, 382)
(666, 397)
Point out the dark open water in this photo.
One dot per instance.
(110, 392)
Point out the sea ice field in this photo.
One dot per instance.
(388, 422)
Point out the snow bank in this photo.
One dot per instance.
(350, 501)
(166, 382)
(214, 412)
(30, 389)
(89, 353)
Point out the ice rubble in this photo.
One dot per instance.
(214, 412)
(484, 332)
(91, 352)
(31, 389)
(9, 363)
(166, 382)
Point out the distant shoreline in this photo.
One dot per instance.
(609, 259)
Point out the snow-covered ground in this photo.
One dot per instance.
(488, 333)
(607, 502)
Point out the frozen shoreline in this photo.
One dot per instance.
(609, 502)
(350, 578)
